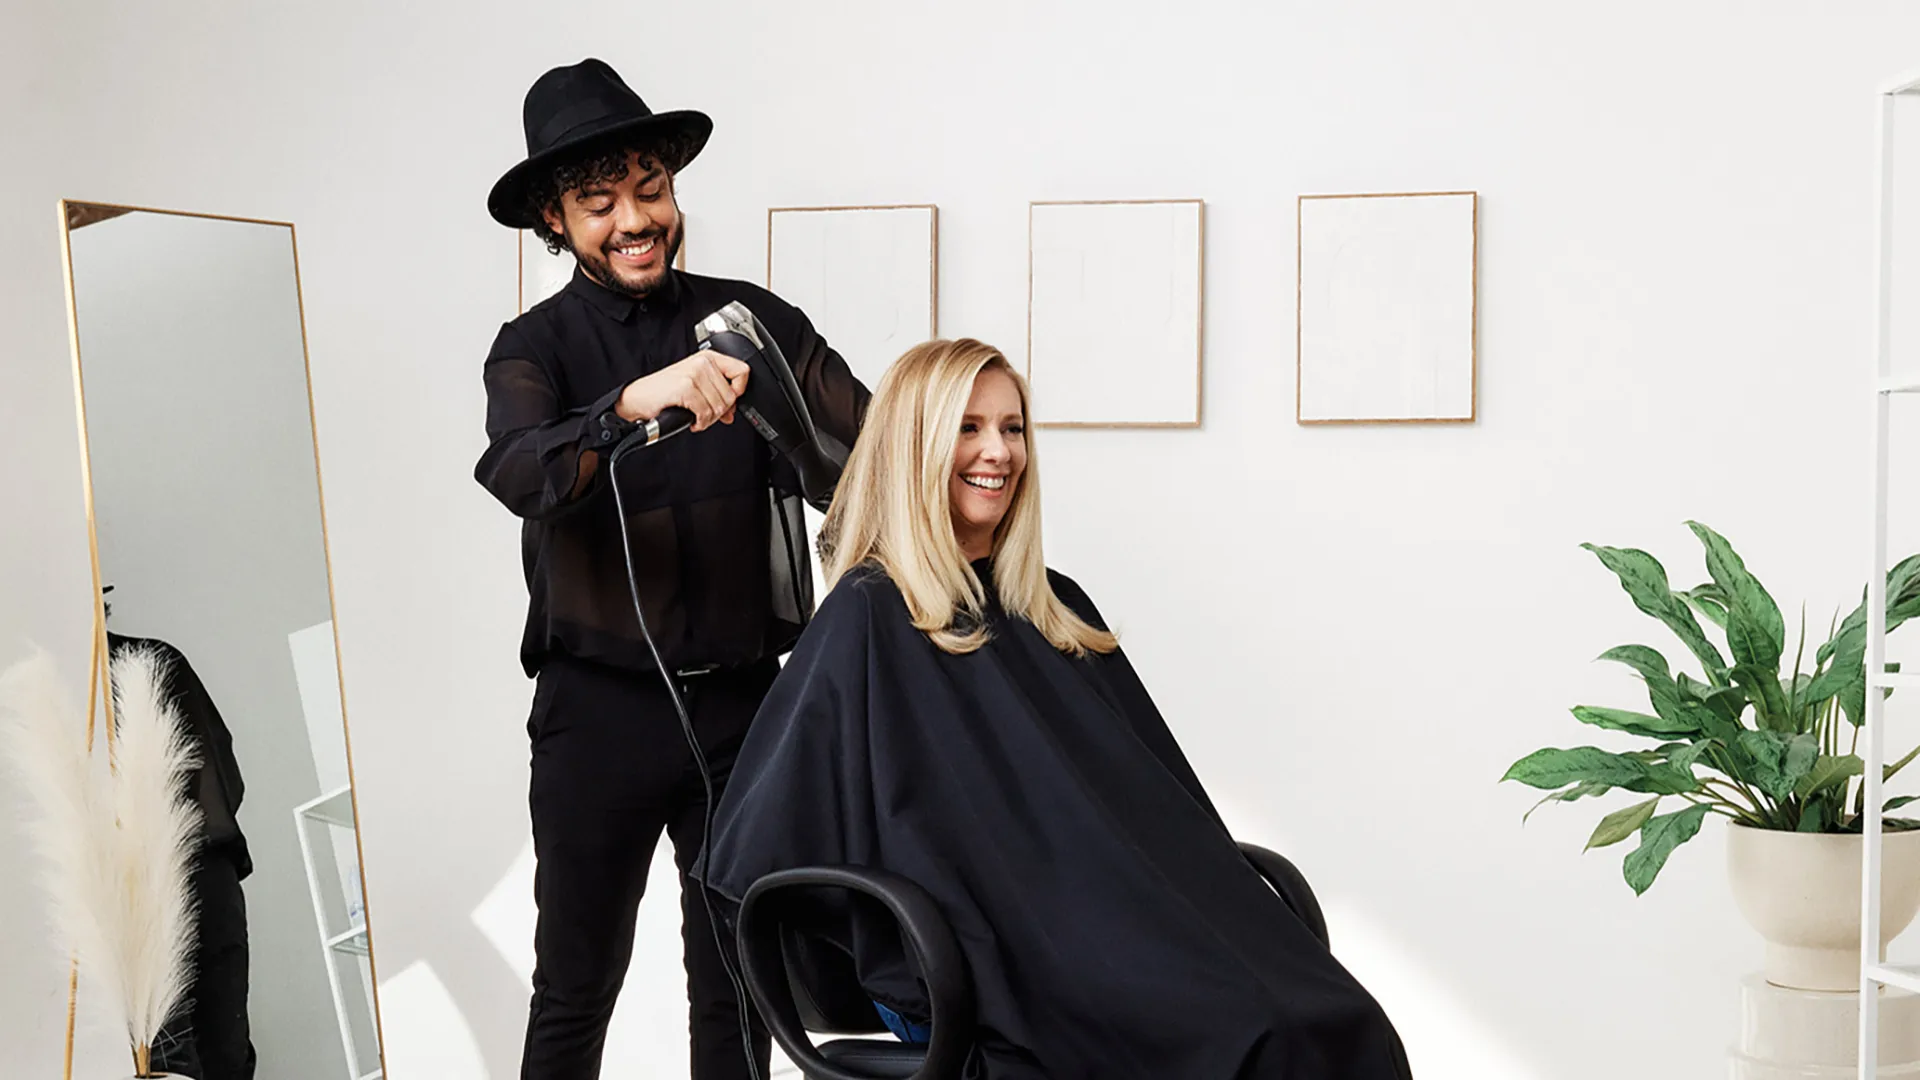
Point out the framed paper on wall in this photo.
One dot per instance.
(867, 276)
(1114, 312)
(1386, 308)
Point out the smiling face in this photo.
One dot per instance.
(987, 461)
(624, 231)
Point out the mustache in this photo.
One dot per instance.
(634, 238)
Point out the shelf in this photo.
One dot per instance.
(374, 1075)
(1900, 976)
(333, 808)
(1896, 681)
(1906, 83)
(354, 941)
(1898, 384)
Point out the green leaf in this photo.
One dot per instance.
(1553, 768)
(1767, 751)
(1679, 712)
(1801, 754)
(1578, 791)
(1901, 612)
(1847, 650)
(1645, 580)
(1756, 633)
(1903, 591)
(1641, 658)
(1828, 771)
(1896, 803)
(1800, 710)
(1769, 704)
(1621, 824)
(1658, 838)
(1887, 771)
(1633, 723)
(1846, 679)
(1814, 813)
(1710, 601)
(1685, 759)
(1853, 699)
(1724, 706)
(1856, 621)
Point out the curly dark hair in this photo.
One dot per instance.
(601, 162)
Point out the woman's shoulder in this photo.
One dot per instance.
(1075, 597)
(861, 592)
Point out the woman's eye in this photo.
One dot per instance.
(1016, 429)
(969, 428)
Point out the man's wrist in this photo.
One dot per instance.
(627, 409)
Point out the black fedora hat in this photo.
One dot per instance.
(569, 107)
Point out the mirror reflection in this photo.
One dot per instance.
(206, 513)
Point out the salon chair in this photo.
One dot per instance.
(803, 983)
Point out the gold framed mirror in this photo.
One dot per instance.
(207, 525)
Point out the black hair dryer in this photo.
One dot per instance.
(771, 401)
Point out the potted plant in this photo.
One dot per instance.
(1773, 750)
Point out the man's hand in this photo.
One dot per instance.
(706, 384)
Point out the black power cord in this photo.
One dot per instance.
(653, 433)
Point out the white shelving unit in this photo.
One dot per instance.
(317, 821)
(1875, 973)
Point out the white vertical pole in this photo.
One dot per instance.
(1877, 601)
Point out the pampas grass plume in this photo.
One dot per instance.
(116, 845)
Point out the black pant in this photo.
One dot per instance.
(209, 1038)
(611, 770)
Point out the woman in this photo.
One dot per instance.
(960, 715)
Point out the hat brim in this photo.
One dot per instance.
(686, 129)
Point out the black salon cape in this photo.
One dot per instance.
(1110, 924)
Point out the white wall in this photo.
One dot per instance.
(44, 584)
(1353, 631)
(208, 519)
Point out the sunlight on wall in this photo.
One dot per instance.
(649, 1031)
(1444, 1041)
(648, 1035)
(505, 916)
(425, 1032)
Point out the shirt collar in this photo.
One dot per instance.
(620, 307)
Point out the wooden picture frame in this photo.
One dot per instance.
(1403, 269)
(878, 301)
(1105, 342)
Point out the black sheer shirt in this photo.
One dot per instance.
(719, 541)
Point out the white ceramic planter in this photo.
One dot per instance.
(1801, 891)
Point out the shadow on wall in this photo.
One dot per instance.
(428, 1035)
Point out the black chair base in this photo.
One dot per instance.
(778, 955)
(871, 1057)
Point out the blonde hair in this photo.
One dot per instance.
(892, 509)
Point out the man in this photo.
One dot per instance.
(718, 551)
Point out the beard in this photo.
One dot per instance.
(598, 264)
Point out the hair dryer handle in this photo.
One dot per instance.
(672, 421)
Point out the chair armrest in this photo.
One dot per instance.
(1291, 884)
(776, 898)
